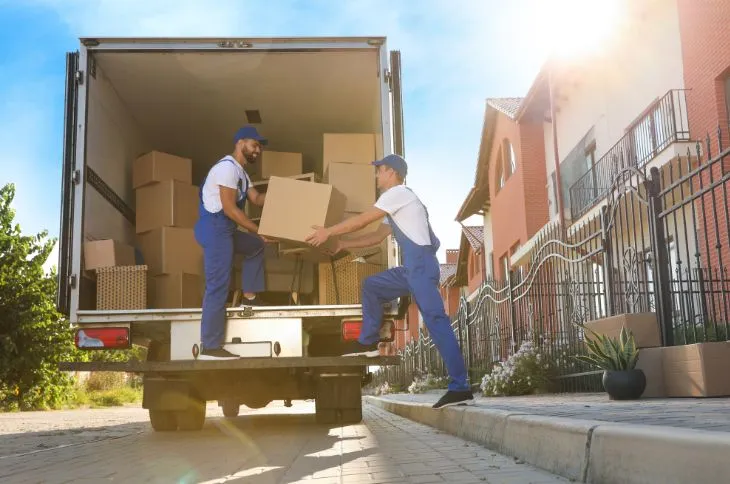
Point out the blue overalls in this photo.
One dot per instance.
(220, 239)
(419, 276)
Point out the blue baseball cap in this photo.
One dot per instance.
(249, 132)
(395, 162)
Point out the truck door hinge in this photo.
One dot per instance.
(79, 77)
(72, 280)
(76, 177)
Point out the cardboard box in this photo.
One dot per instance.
(342, 284)
(292, 207)
(157, 166)
(368, 229)
(169, 250)
(279, 163)
(178, 290)
(644, 326)
(167, 204)
(348, 148)
(121, 287)
(107, 253)
(279, 272)
(356, 182)
(651, 362)
(697, 370)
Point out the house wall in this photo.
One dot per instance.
(640, 63)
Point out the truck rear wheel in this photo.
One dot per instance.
(338, 400)
(193, 418)
(231, 408)
(163, 420)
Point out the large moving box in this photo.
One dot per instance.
(166, 204)
(171, 250)
(347, 148)
(278, 163)
(107, 253)
(179, 290)
(356, 181)
(292, 207)
(121, 288)
(156, 166)
(644, 327)
(697, 370)
(340, 282)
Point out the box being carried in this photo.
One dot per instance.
(292, 207)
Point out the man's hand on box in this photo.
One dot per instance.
(318, 237)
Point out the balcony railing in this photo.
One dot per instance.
(664, 122)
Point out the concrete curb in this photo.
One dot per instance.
(590, 451)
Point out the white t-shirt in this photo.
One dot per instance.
(226, 174)
(407, 212)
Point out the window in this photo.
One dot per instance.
(500, 173)
(508, 154)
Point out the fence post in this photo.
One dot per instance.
(512, 312)
(662, 282)
(607, 260)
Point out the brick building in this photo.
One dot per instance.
(510, 183)
(471, 270)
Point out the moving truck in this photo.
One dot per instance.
(145, 119)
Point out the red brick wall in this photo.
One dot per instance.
(452, 256)
(475, 270)
(706, 58)
(520, 208)
(450, 296)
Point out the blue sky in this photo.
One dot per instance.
(455, 54)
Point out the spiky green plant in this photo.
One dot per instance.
(611, 354)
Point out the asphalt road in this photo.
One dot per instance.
(271, 445)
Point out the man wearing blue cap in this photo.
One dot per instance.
(407, 218)
(223, 195)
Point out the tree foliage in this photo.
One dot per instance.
(33, 335)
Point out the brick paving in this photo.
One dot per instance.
(693, 413)
(273, 445)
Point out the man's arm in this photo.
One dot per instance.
(322, 234)
(228, 199)
(368, 240)
(255, 197)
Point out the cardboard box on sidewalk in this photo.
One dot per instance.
(107, 253)
(697, 370)
(348, 148)
(166, 204)
(157, 166)
(356, 182)
(169, 250)
(651, 361)
(292, 207)
(644, 327)
(177, 290)
(279, 163)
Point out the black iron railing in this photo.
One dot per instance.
(664, 122)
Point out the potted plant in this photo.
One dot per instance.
(617, 358)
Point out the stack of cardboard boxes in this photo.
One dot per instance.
(167, 209)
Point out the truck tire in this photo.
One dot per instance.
(163, 420)
(338, 400)
(230, 408)
(193, 418)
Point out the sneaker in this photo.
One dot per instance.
(355, 348)
(217, 354)
(256, 301)
(452, 398)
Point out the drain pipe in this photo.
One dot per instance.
(556, 153)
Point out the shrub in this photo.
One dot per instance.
(424, 383)
(526, 372)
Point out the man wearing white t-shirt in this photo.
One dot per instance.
(223, 195)
(407, 218)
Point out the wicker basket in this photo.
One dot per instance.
(121, 287)
(343, 285)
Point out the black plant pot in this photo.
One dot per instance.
(624, 385)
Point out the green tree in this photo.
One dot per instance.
(34, 337)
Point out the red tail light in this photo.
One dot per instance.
(351, 331)
(102, 338)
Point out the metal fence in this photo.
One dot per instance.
(660, 244)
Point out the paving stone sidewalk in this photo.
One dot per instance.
(711, 414)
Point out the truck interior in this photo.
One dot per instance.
(190, 104)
